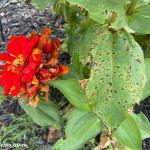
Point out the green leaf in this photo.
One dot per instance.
(42, 4)
(44, 114)
(73, 40)
(76, 119)
(146, 91)
(2, 97)
(117, 76)
(129, 134)
(142, 2)
(139, 20)
(81, 127)
(76, 37)
(77, 69)
(143, 124)
(96, 12)
(73, 92)
(100, 10)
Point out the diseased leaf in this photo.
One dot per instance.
(139, 19)
(81, 127)
(44, 114)
(117, 76)
(129, 134)
(73, 92)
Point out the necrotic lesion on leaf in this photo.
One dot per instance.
(117, 76)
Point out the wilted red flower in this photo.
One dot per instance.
(28, 64)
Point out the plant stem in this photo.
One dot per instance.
(131, 6)
(113, 146)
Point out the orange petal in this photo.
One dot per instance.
(53, 61)
(44, 88)
(42, 41)
(44, 72)
(56, 43)
(32, 90)
(63, 69)
(55, 47)
(35, 80)
(36, 51)
(46, 96)
(47, 46)
(37, 54)
(46, 31)
(32, 35)
(53, 70)
(24, 89)
(12, 88)
(34, 102)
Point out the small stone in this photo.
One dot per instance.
(40, 142)
(5, 119)
(1, 14)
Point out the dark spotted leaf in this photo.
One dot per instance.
(117, 76)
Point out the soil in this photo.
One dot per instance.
(22, 18)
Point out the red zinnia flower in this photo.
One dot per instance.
(28, 64)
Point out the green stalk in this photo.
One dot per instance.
(131, 6)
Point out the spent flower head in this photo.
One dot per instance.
(28, 64)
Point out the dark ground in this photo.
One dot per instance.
(22, 18)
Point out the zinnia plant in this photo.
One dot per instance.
(105, 79)
(28, 64)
